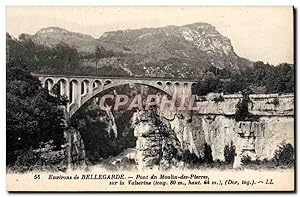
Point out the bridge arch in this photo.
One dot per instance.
(62, 87)
(98, 90)
(84, 87)
(107, 82)
(97, 83)
(159, 83)
(74, 90)
(49, 83)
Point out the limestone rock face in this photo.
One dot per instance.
(219, 131)
(258, 139)
(75, 156)
(190, 133)
(272, 104)
(215, 126)
(262, 104)
(157, 145)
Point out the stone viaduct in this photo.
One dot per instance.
(80, 89)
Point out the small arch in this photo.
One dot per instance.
(107, 82)
(62, 86)
(48, 84)
(96, 84)
(73, 90)
(159, 83)
(168, 83)
(177, 84)
(185, 84)
(85, 87)
(194, 87)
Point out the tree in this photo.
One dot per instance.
(261, 78)
(60, 59)
(208, 158)
(100, 52)
(282, 79)
(208, 84)
(66, 57)
(235, 84)
(229, 153)
(285, 154)
(242, 110)
(33, 115)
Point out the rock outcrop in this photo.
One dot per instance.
(157, 145)
(258, 139)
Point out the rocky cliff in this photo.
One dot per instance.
(157, 145)
(216, 126)
(259, 139)
(162, 143)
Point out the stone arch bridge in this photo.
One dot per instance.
(80, 89)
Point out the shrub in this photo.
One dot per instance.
(274, 102)
(242, 108)
(229, 153)
(209, 83)
(190, 158)
(242, 111)
(208, 158)
(284, 155)
(219, 99)
(26, 158)
(246, 160)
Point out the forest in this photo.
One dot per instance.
(260, 79)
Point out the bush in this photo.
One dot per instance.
(219, 99)
(208, 158)
(284, 155)
(229, 153)
(190, 158)
(246, 160)
(274, 102)
(26, 158)
(208, 84)
(242, 111)
(242, 108)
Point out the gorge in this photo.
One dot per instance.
(162, 142)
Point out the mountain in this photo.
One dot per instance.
(51, 36)
(178, 50)
(173, 51)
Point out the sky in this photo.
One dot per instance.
(256, 33)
